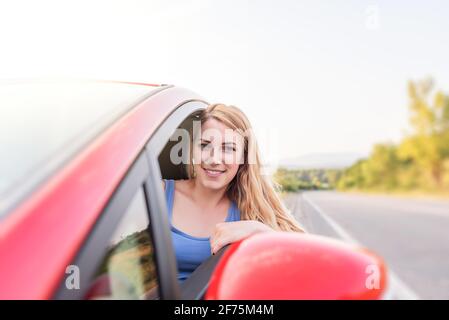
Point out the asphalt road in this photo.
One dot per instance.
(412, 235)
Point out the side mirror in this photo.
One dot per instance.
(293, 266)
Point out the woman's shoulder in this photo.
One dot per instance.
(236, 215)
(183, 186)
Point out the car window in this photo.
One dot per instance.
(128, 269)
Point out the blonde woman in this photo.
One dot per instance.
(226, 198)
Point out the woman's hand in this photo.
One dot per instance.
(228, 232)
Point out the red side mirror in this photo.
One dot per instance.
(281, 265)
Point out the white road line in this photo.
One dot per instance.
(397, 285)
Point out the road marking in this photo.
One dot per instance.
(398, 286)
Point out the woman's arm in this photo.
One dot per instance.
(229, 232)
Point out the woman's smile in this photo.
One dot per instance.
(213, 173)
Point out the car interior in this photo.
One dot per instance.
(170, 170)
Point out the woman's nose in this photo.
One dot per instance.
(215, 156)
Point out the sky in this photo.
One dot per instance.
(312, 76)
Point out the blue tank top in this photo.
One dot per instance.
(190, 251)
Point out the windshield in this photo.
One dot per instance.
(41, 123)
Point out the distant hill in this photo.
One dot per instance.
(322, 161)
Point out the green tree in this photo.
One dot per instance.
(421, 160)
(428, 144)
(381, 168)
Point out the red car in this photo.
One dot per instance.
(83, 213)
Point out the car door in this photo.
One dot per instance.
(118, 259)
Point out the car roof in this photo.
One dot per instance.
(44, 122)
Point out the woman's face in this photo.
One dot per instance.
(218, 153)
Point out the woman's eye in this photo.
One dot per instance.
(229, 149)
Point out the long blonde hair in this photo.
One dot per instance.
(254, 193)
